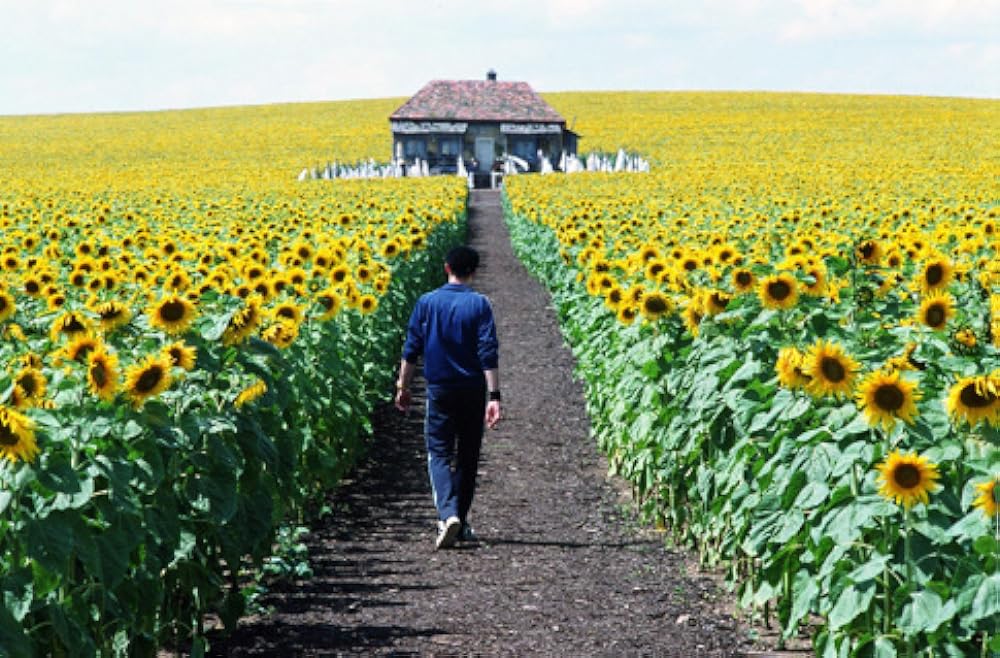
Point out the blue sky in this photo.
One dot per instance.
(112, 55)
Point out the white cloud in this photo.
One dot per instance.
(823, 19)
(76, 55)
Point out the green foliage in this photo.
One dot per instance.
(132, 524)
(780, 487)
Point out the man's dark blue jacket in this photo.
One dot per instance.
(453, 328)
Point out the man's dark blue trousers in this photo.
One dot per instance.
(453, 428)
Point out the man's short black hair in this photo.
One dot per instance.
(462, 261)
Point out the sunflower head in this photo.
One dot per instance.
(147, 379)
(288, 311)
(112, 314)
(973, 399)
(102, 374)
(742, 280)
(885, 397)
(907, 478)
(250, 393)
(243, 322)
(330, 301)
(181, 355)
(281, 334)
(935, 274)
(654, 305)
(31, 383)
(70, 325)
(172, 314)
(17, 436)
(936, 309)
(830, 370)
(789, 368)
(716, 301)
(627, 313)
(367, 304)
(692, 315)
(80, 346)
(988, 499)
(778, 291)
(869, 252)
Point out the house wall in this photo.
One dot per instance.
(431, 147)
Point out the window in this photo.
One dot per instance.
(449, 146)
(524, 148)
(414, 147)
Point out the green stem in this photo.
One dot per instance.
(908, 557)
(886, 583)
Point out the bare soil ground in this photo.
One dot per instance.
(560, 570)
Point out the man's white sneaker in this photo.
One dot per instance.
(448, 532)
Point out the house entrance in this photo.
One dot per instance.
(485, 154)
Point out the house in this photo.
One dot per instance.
(481, 120)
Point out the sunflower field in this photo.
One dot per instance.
(789, 335)
(192, 347)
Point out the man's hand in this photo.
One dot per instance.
(403, 399)
(493, 414)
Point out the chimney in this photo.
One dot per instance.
(491, 75)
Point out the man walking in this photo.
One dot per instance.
(453, 328)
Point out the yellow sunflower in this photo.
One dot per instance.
(715, 301)
(936, 274)
(966, 337)
(173, 314)
(250, 393)
(31, 382)
(885, 397)
(147, 379)
(69, 324)
(13, 331)
(778, 291)
(281, 334)
(789, 368)
(363, 273)
(830, 370)
(692, 315)
(907, 479)
(614, 297)
(869, 252)
(102, 374)
(17, 436)
(80, 346)
(340, 273)
(936, 310)
(330, 301)
(988, 499)
(654, 305)
(55, 300)
(973, 399)
(367, 304)
(627, 313)
(742, 280)
(817, 287)
(181, 355)
(112, 315)
(288, 311)
(243, 322)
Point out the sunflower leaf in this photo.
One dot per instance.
(925, 613)
(986, 604)
(853, 601)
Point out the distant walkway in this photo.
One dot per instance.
(559, 570)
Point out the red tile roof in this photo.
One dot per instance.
(477, 100)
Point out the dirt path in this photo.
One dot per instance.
(559, 570)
